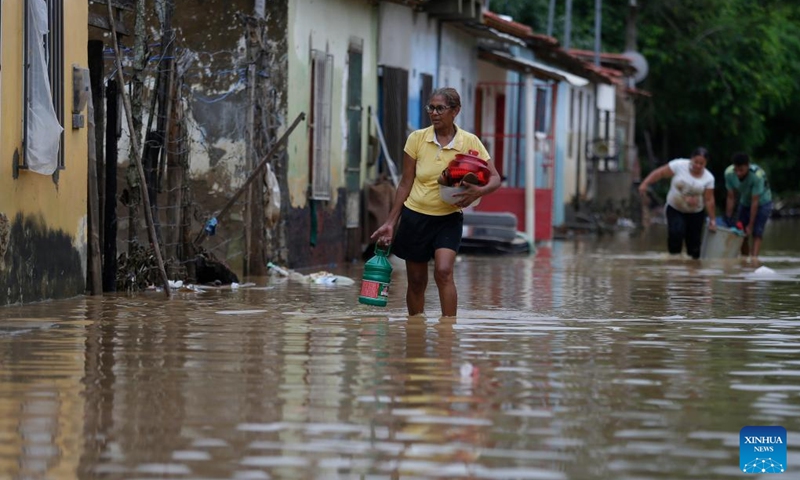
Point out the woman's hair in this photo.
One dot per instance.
(451, 96)
(702, 152)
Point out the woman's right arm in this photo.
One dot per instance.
(661, 172)
(385, 233)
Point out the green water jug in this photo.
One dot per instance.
(376, 278)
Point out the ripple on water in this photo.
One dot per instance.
(590, 365)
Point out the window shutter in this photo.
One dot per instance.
(323, 89)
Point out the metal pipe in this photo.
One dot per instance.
(530, 162)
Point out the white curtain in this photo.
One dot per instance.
(44, 131)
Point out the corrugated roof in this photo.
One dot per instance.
(525, 65)
(511, 27)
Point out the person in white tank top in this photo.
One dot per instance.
(691, 195)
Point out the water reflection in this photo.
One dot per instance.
(592, 360)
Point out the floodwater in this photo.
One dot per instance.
(598, 359)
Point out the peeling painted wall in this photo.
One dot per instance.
(328, 246)
(211, 31)
(43, 242)
(216, 104)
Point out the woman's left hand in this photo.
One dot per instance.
(470, 194)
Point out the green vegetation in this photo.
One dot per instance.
(723, 74)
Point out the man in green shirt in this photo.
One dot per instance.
(755, 198)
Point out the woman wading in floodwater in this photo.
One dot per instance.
(429, 227)
(691, 194)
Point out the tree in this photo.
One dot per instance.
(720, 69)
(722, 73)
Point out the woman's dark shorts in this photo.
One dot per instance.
(420, 235)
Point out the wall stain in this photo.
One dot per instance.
(330, 247)
(40, 263)
(5, 231)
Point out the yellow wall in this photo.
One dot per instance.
(62, 206)
(45, 410)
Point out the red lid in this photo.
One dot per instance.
(471, 156)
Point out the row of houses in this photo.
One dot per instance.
(559, 127)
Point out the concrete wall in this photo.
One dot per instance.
(396, 37)
(216, 107)
(614, 191)
(42, 222)
(493, 81)
(217, 80)
(546, 143)
(458, 68)
(424, 60)
(575, 175)
(409, 39)
(626, 127)
(562, 138)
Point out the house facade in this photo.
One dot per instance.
(333, 76)
(613, 174)
(43, 214)
(418, 52)
(356, 73)
(564, 118)
(408, 71)
(249, 70)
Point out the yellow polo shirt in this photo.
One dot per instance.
(431, 159)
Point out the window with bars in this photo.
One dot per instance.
(321, 90)
(35, 87)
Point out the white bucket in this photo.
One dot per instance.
(724, 243)
(447, 195)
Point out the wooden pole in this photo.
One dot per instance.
(138, 64)
(250, 161)
(173, 172)
(167, 138)
(135, 142)
(530, 161)
(165, 90)
(253, 175)
(96, 75)
(110, 197)
(95, 267)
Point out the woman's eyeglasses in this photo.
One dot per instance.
(437, 108)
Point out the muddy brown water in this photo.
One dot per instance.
(596, 359)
